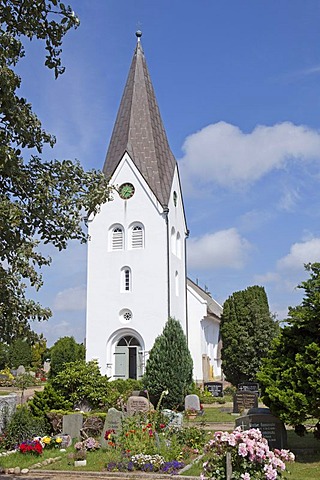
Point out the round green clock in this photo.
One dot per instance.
(126, 191)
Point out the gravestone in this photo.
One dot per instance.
(192, 402)
(249, 387)
(215, 388)
(8, 405)
(244, 401)
(175, 419)
(113, 421)
(138, 404)
(46, 366)
(271, 427)
(72, 424)
(21, 370)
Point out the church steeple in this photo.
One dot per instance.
(139, 131)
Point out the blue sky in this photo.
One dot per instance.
(238, 85)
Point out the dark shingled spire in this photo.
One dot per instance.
(139, 131)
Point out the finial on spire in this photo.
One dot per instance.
(138, 35)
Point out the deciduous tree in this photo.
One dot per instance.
(65, 350)
(40, 201)
(290, 376)
(247, 329)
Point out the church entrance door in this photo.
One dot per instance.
(128, 358)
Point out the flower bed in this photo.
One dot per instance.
(246, 454)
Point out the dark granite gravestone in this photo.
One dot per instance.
(244, 401)
(249, 387)
(215, 388)
(271, 427)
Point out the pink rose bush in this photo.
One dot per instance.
(251, 457)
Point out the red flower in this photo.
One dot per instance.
(31, 447)
(108, 434)
(162, 425)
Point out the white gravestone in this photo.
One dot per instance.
(192, 402)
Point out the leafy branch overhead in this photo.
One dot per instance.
(40, 201)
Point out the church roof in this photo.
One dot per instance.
(213, 307)
(139, 131)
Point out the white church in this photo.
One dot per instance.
(137, 274)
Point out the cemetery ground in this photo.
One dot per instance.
(215, 417)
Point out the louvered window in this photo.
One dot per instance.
(137, 237)
(117, 238)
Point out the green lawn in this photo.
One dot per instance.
(214, 414)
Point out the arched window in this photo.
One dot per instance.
(117, 238)
(137, 236)
(173, 241)
(178, 245)
(125, 285)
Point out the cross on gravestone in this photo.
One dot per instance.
(113, 422)
(249, 387)
(72, 424)
(192, 402)
(271, 427)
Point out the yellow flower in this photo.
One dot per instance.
(46, 440)
(58, 440)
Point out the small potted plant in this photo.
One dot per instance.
(191, 413)
(80, 455)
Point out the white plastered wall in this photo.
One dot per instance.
(148, 298)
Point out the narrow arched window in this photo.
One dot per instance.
(125, 285)
(137, 236)
(117, 238)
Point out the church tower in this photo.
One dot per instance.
(136, 253)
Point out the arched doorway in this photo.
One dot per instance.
(128, 358)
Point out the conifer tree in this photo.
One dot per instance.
(290, 376)
(169, 366)
(247, 329)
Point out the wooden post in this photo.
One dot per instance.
(228, 466)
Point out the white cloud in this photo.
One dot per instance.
(301, 253)
(288, 200)
(269, 277)
(71, 299)
(222, 153)
(223, 249)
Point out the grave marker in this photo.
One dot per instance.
(138, 404)
(244, 401)
(72, 424)
(113, 421)
(215, 388)
(192, 402)
(271, 427)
